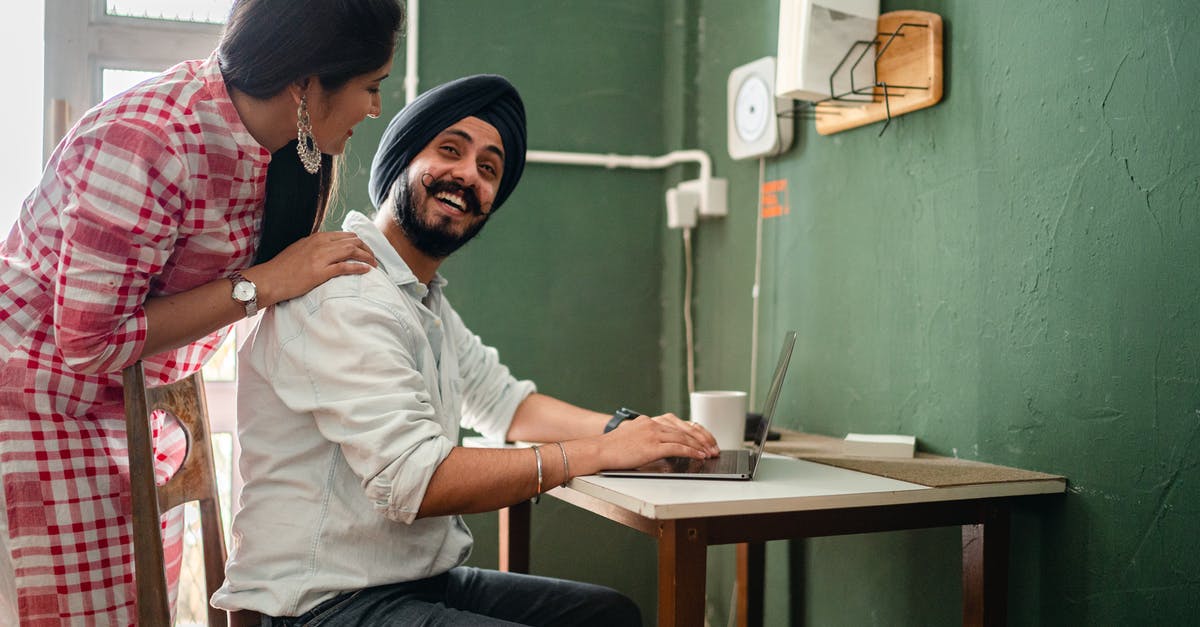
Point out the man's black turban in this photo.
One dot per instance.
(488, 97)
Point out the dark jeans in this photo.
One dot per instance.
(473, 596)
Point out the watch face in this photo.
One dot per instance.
(244, 291)
(752, 108)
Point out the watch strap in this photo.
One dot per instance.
(619, 416)
(251, 306)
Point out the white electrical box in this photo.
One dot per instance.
(682, 207)
(711, 198)
(755, 128)
(814, 37)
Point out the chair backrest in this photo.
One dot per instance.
(194, 481)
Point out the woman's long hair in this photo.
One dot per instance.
(268, 45)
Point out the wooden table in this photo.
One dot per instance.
(795, 498)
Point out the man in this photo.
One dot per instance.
(351, 398)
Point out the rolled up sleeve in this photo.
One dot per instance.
(348, 360)
(119, 223)
(491, 393)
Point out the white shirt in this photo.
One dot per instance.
(348, 399)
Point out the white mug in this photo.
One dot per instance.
(723, 413)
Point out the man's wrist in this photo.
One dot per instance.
(619, 416)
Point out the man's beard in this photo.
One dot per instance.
(436, 239)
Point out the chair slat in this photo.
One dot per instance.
(195, 480)
(150, 573)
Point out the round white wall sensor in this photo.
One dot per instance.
(755, 129)
(751, 108)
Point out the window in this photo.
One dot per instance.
(222, 366)
(113, 82)
(98, 52)
(197, 11)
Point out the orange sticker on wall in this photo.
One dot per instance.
(775, 199)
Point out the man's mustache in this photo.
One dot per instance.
(434, 187)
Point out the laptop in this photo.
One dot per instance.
(737, 465)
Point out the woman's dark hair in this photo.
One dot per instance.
(296, 201)
(270, 44)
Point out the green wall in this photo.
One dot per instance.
(1012, 276)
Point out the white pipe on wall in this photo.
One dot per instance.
(637, 162)
(410, 51)
(612, 161)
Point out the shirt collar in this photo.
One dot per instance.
(390, 261)
(214, 81)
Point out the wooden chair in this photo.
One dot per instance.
(194, 481)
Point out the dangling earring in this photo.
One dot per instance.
(306, 144)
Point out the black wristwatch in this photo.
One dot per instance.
(619, 416)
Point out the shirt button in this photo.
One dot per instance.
(437, 323)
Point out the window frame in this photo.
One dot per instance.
(81, 44)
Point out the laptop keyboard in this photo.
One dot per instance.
(725, 464)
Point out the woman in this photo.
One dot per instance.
(166, 214)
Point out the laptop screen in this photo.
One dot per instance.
(772, 400)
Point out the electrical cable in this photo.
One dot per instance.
(687, 310)
(756, 291)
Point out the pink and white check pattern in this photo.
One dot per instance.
(154, 192)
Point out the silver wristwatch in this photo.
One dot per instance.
(245, 293)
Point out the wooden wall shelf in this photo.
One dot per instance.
(908, 74)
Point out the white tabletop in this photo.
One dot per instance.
(782, 484)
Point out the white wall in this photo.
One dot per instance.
(21, 115)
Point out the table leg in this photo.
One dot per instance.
(682, 564)
(514, 538)
(985, 548)
(751, 562)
